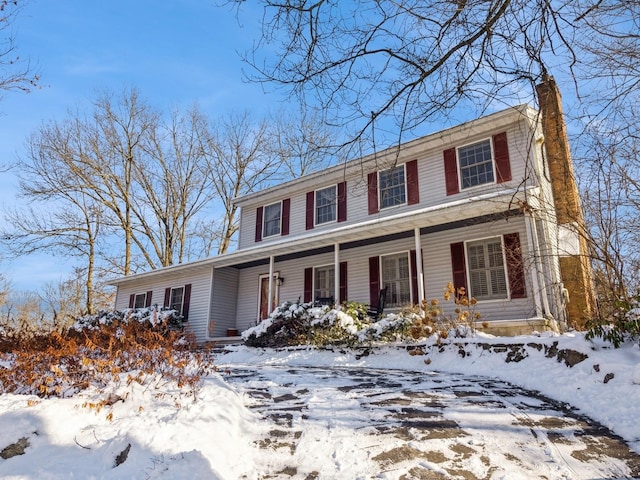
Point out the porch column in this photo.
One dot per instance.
(419, 273)
(270, 294)
(336, 273)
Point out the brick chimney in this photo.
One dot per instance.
(575, 266)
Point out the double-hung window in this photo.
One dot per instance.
(176, 299)
(476, 164)
(487, 269)
(272, 215)
(392, 186)
(326, 205)
(140, 300)
(396, 279)
(323, 282)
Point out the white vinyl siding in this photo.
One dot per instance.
(200, 280)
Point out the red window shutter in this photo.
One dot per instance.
(501, 152)
(286, 214)
(414, 276)
(310, 209)
(147, 300)
(413, 191)
(342, 201)
(372, 186)
(308, 285)
(343, 282)
(374, 280)
(515, 265)
(186, 300)
(451, 171)
(132, 300)
(167, 297)
(259, 213)
(458, 266)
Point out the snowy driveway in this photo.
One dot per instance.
(334, 423)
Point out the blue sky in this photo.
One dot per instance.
(176, 53)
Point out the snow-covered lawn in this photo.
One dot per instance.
(158, 434)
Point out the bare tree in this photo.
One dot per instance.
(397, 65)
(239, 157)
(301, 143)
(15, 73)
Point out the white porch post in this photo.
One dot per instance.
(270, 294)
(336, 273)
(419, 273)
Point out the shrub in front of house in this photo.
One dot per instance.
(623, 325)
(348, 325)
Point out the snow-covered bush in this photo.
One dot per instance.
(624, 326)
(349, 325)
(307, 324)
(111, 348)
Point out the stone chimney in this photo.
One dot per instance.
(575, 266)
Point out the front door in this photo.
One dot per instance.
(263, 307)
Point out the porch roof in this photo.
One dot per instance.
(485, 205)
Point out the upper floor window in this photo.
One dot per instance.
(272, 214)
(476, 164)
(392, 187)
(487, 269)
(326, 205)
(480, 163)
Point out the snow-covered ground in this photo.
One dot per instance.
(164, 435)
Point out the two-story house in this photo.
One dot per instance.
(471, 205)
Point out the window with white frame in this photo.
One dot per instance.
(323, 282)
(326, 205)
(392, 186)
(396, 279)
(176, 299)
(140, 300)
(476, 164)
(488, 280)
(271, 223)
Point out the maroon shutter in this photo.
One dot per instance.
(343, 282)
(413, 191)
(374, 280)
(259, 213)
(286, 214)
(501, 151)
(167, 297)
(372, 186)
(308, 285)
(451, 171)
(515, 265)
(458, 266)
(132, 300)
(147, 300)
(310, 209)
(342, 201)
(186, 300)
(414, 276)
